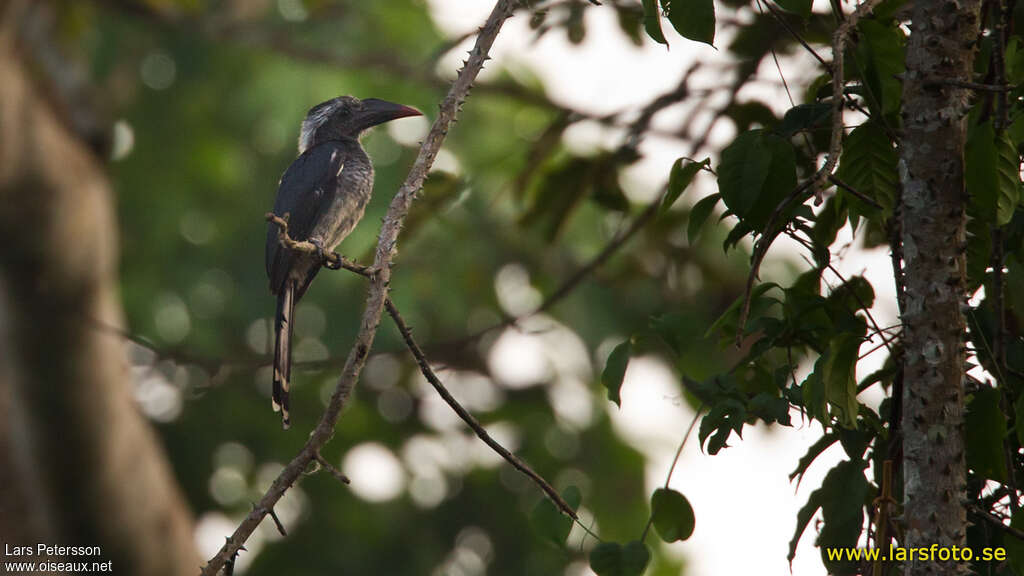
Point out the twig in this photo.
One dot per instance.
(334, 260)
(796, 36)
(816, 183)
(672, 467)
(277, 521)
(976, 86)
(428, 373)
(330, 468)
(376, 294)
(571, 282)
(884, 501)
(870, 202)
(996, 522)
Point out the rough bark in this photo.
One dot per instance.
(933, 211)
(84, 466)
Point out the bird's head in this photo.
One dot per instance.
(347, 117)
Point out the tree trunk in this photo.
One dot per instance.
(80, 465)
(933, 211)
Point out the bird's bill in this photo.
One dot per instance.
(381, 111)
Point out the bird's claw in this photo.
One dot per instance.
(333, 261)
(321, 254)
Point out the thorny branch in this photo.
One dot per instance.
(376, 294)
(337, 261)
(468, 418)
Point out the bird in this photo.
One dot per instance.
(324, 193)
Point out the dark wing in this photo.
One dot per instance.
(309, 180)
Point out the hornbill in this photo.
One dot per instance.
(324, 193)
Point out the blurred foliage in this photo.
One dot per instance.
(208, 98)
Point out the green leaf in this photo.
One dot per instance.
(842, 510)
(698, 215)
(854, 294)
(812, 392)
(1014, 57)
(1014, 546)
(613, 559)
(1018, 409)
(841, 499)
(979, 250)
(840, 378)
(868, 164)
(558, 193)
(881, 50)
(549, 521)
(770, 408)
(615, 370)
(725, 417)
(693, 19)
(800, 7)
(993, 174)
(810, 117)
(731, 314)
(631, 23)
(635, 557)
(819, 446)
(672, 515)
(758, 170)
(828, 222)
(680, 178)
(985, 431)
(652, 21)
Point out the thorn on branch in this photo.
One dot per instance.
(229, 566)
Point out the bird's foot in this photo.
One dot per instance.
(321, 254)
(335, 261)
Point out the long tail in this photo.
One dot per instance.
(283, 350)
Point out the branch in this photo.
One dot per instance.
(816, 183)
(376, 294)
(999, 87)
(330, 468)
(468, 418)
(571, 283)
(428, 373)
(996, 522)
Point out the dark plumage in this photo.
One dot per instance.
(324, 192)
